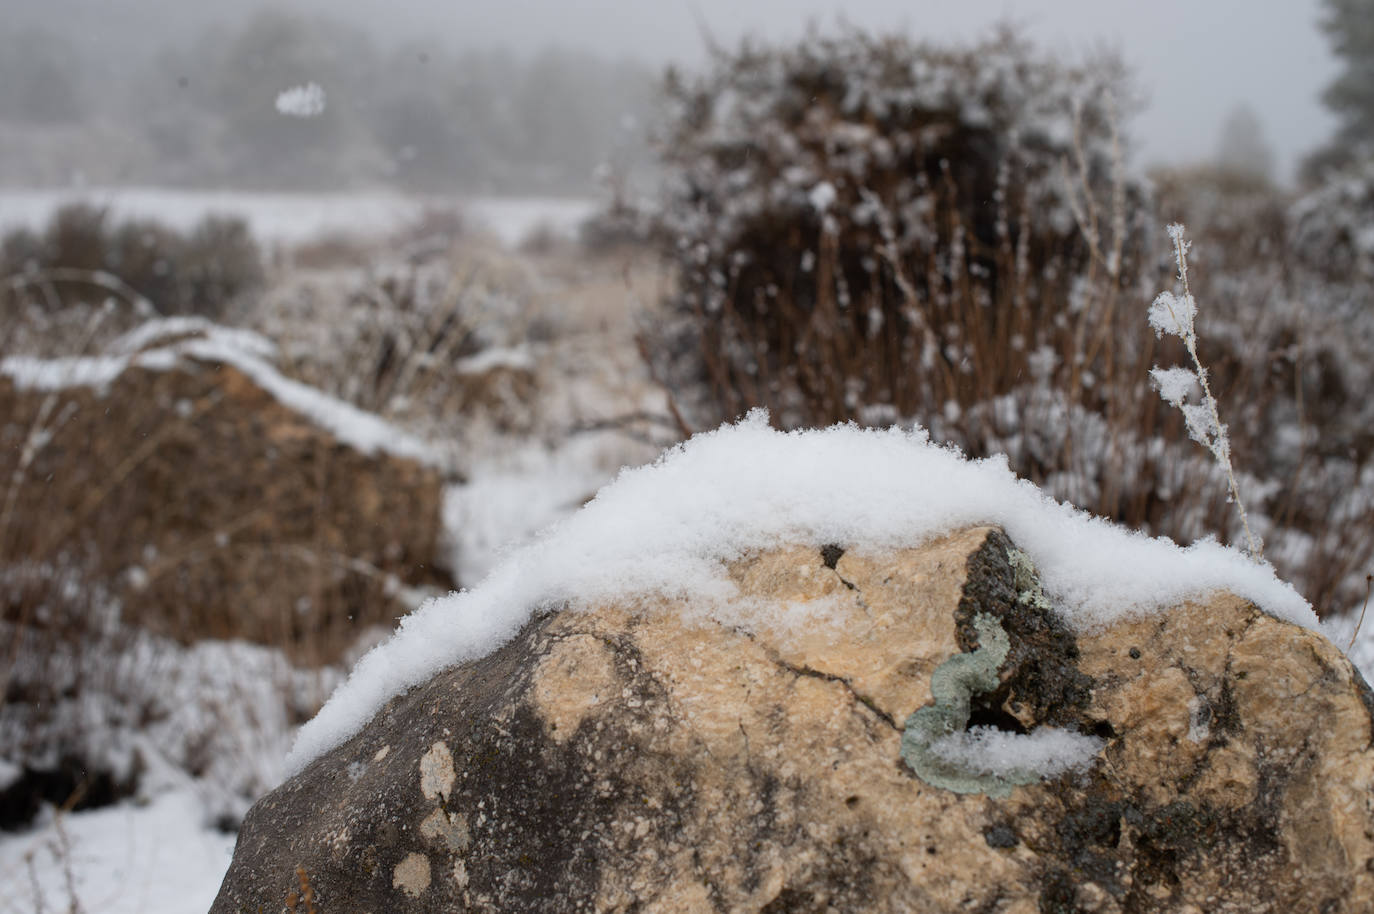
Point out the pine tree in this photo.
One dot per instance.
(1242, 148)
(1349, 25)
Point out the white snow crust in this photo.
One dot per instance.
(151, 333)
(517, 358)
(155, 346)
(39, 374)
(358, 428)
(664, 530)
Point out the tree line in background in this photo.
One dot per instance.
(199, 111)
(414, 116)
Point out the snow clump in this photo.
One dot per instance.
(1047, 751)
(301, 101)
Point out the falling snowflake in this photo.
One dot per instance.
(302, 101)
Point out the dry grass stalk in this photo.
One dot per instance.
(1204, 424)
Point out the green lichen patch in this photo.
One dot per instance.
(1027, 581)
(953, 686)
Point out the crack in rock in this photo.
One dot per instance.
(811, 672)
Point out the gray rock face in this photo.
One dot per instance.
(626, 760)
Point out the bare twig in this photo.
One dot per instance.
(43, 280)
(646, 357)
(1368, 581)
(1208, 431)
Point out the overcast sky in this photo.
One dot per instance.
(1196, 59)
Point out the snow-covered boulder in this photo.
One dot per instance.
(208, 495)
(843, 728)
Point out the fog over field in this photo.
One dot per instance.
(1194, 64)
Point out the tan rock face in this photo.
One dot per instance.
(610, 761)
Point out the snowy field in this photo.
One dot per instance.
(280, 218)
(515, 522)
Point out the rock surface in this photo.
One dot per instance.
(624, 759)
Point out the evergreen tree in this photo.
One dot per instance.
(1349, 25)
(1242, 148)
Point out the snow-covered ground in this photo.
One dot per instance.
(283, 218)
(162, 853)
(223, 709)
(131, 858)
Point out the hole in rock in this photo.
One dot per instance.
(1103, 729)
(995, 718)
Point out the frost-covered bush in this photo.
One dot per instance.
(875, 230)
(1176, 315)
(111, 711)
(1333, 228)
(437, 342)
(1242, 216)
(866, 222)
(1289, 341)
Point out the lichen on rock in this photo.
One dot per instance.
(436, 772)
(939, 746)
(953, 686)
(1028, 589)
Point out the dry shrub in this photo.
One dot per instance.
(620, 227)
(96, 710)
(872, 230)
(434, 231)
(1331, 234)
(47, 665)
(154, 519)
(859, 221)
(198, 272)
(209, 510)
(330, 251)
(436, 344)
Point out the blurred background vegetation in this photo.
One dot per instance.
(193, 109)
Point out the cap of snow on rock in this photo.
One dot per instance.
(667, 529)
(301, 101)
